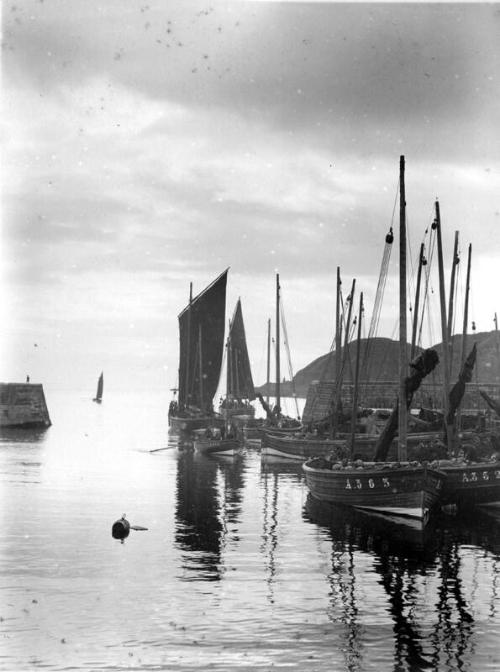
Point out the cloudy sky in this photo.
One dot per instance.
(147, 145)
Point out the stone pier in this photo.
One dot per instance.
(23, 405)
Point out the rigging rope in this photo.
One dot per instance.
(379, 295)
(290, 369)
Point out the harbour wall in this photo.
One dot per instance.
(383, 394)
(23, 405)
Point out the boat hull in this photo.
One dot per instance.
(217, 446)
(301, 448)
(473, 484)
(245, 412)
(411, 491)
(190, 423)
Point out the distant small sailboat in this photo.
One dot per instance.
(100, 386)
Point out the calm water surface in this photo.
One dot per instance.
(238, 570)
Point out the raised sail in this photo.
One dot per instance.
(100, 387)
(201, 330)
(239, 374)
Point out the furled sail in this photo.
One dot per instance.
(201, 331)
(239, 374)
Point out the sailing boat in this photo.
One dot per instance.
(475, 478)
(275, 420)
(239, 382)
(100, 386)
(400, 488)
(201, 344)
(235, 408)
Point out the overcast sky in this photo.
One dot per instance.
(150, 144)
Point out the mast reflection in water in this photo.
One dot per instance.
(208, 502)
(436, 583)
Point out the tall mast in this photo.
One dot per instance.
(450, 301)
(421, 262)
(268, 358)
(188, 346)
(466, 309)
(338, 363)
(230, 368)
(200, 357)
(348, 328)
(402, 420)
(338, 330)
(278, 381)
(497, 348)
(444, 328)
(356, 376)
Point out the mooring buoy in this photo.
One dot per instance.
(121, 528)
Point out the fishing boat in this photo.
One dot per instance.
(100, 388)
(275, 420)
(301, 446)
(201, 345)
(473, 473)
(472, 467)
(218, 446)
(401, 488)
(239, 382)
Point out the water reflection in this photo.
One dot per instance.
(208, 506)
(273, 472)
(26, 435)
(430, 578)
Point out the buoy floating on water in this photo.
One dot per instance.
(121, 528)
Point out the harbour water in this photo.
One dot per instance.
(238, 569)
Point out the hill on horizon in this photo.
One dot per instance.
(379, 361)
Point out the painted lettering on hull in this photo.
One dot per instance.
(357, 483)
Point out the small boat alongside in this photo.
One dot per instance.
(471, 484)
(214, 446)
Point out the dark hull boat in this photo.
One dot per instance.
(188, 422)
(201, 338)
(400, 488)
(293, 447)
(395, 489)
(470, 484)
(218, 446)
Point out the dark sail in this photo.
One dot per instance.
(458, 390)
(100, 387)
(421, 367)
(201, 331)
(239, 373)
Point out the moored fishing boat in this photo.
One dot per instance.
(217, 446)
(422, 445)
(403, 489)
(470, 484)
(201, 338)
(473, 467)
